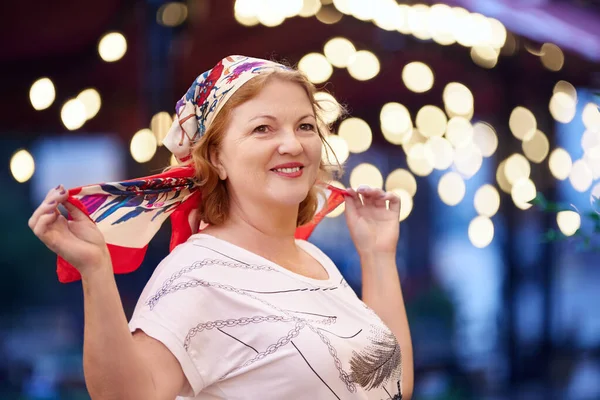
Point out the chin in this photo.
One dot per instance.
(289, 196)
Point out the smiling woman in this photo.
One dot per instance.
(245, 308)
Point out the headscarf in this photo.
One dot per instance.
(129, 213)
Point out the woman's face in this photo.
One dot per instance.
(271, 150)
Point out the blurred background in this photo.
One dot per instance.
(466, 109)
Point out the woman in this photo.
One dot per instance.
(243, 309)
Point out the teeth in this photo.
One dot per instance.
(288, 170)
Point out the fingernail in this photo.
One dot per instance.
(58, 187)
(50, 212)
(62, 191)
(52, 202)
(362, 187)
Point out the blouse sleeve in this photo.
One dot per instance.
(170, 308)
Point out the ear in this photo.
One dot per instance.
(214, 160)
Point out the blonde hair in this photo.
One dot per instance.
(214, 207)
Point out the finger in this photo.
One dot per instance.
(75, 213)
(394, 201)
(352, 203)
(44, 224)
(53, 198)
(371, 196)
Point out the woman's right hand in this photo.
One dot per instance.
(78, 241)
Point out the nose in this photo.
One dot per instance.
(290, 144)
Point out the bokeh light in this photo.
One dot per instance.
(517, 167)
(487, 200)
(485, 138)
(568, 222)
(363, 65)
(91, 101)
(581, 176)
(481, 231)
(339, 147)
(316, 67)
(160, 124)
(401, 179)
(396, 124)
(522, 123)
(42, 94)
(366, 174)
(73, 114)
(537, 147)
(339, 51)
(459, 132)
(329, 109)
(143, 145)
(357, 134)
(522, 192)
(112, 46)
(458, 100)
(172, 14)
(451, 188)
(417, 77)
(22, 166)
(560, 163)
(431, 121)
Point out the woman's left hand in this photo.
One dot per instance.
(373, 226)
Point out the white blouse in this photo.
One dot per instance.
(243, 327)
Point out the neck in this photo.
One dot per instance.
(265, 229)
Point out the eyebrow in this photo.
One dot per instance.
(273, 118)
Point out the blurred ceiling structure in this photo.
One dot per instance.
(59, 39)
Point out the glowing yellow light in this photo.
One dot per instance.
(172, 14)
(406, 203)
(91, 101)
(160, 124)
(451, 188)
(42, 94)
(310, 8)
(459, 132)
(552, 57)
(396, 124)
(485, 56)
(245, 8)
(581, 176)
(246, 20)
(357, 133)
(560, 164)
(417, 77)
(73, 114)
(481, 231)
(431, 121)
(329, 109)
(591, 117)
(567, 88)
(419, 160)
(441, 21)
(363, 65)
(339, 147)
(498, 38)
(523, 191)
(112, 46)
(143, 145)
(401, 179)
(522, 123)
(484, 137)
(418, 21)
(503, 182)
(173, 161)
(568, 222)
(536, 149)
(343, 6)
(562, 107)
(468, 160)
(443, 153)
(487, 200)
(22, 166)
(329, 15)
(339, 51)
(316, 67)
(366, 174)
(517, 167)
(458, 99)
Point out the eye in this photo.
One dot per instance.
(261, 129)
(307, 127)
